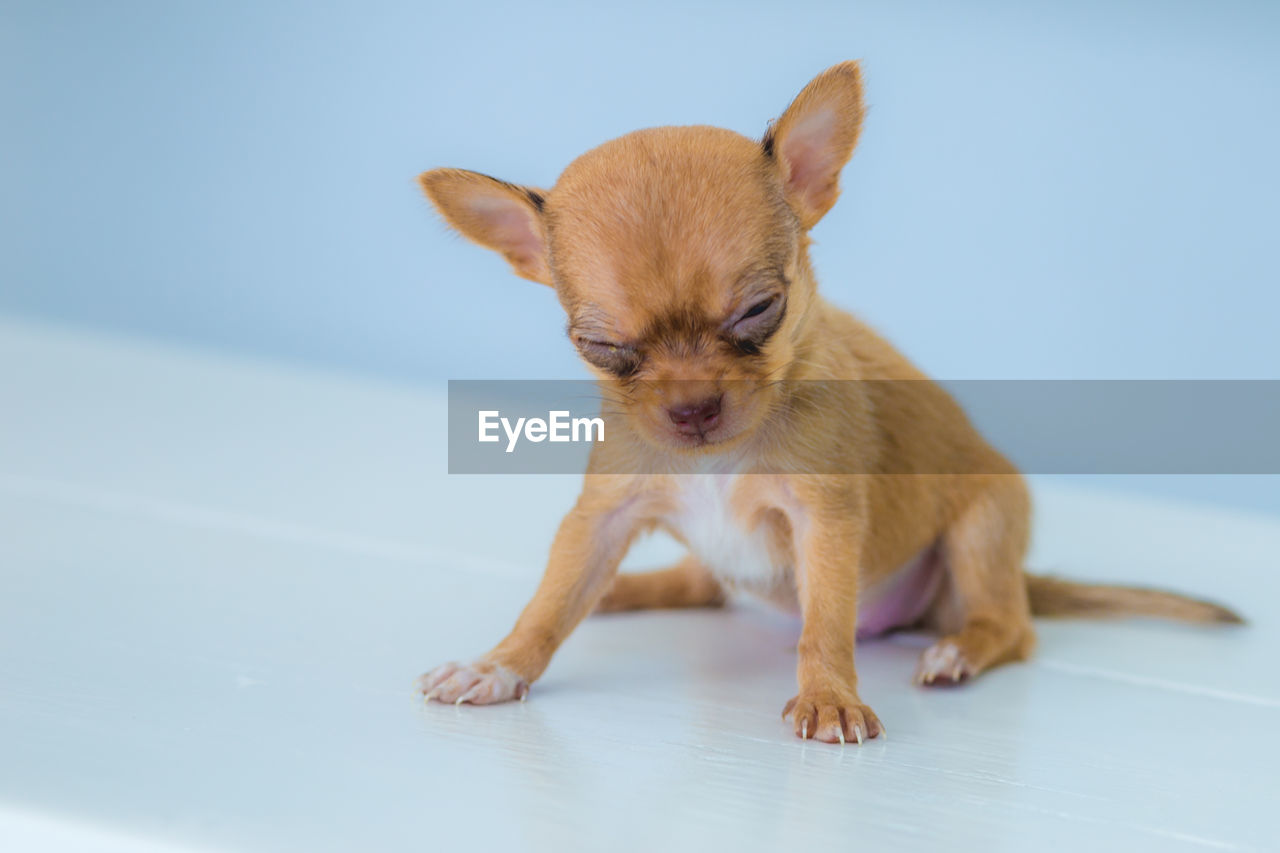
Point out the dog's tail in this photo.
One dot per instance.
(1051, 596)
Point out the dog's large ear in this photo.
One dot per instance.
(501, 216)
(814, 138)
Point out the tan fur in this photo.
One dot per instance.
(659, 244)
(686, 584)
(1052, 596)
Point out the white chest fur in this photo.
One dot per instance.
(705, 520)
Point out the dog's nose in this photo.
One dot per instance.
(696, 418)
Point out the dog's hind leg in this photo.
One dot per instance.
(982, 612)
(686, 584)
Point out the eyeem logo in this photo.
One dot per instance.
(557, 427)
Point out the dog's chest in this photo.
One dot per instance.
(704, 517)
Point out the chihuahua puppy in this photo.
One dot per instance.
(680, 255)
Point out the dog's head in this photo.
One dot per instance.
(679, 255)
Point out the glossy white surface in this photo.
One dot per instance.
(218, 580)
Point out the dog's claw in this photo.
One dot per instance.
(468, 695)
(833, 719)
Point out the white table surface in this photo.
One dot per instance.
(219, 578)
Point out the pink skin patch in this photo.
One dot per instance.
(510, 226)
(902, 599)
(480, 683)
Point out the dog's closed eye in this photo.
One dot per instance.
(754, 326)
(759, 308)
(621, 361)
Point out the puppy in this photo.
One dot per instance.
(680, 255)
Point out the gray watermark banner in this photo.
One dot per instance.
(1042, 426)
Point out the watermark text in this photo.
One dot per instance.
(558, 426)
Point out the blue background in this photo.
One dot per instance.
(1043, 190)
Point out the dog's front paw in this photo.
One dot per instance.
(833, 717)
(479, 683)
